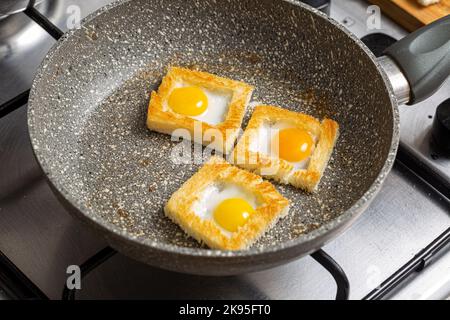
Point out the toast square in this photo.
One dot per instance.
(185, 205)
(269, 165)
(220, 130)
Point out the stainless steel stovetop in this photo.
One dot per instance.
(41, 239)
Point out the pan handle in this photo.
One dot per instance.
(423, 57)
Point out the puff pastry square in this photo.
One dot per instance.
(325, 134)
(271, 205)
(161, 118)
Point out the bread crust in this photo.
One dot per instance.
(162, 119)
(326, 133)
(272, 206)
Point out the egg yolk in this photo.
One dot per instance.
(188, 101)
(232, 213)
(294, 144)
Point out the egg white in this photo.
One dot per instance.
(218, 102)
(262, 144)
(214, 194)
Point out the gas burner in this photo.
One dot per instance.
(441, 129)
(10, 7)
(322, 5)
(23, 44)
(378, 42)
(18, 32)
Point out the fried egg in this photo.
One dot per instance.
(282, 140)
(228, 205)
(202, 104)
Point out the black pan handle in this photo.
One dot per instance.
(424, 58)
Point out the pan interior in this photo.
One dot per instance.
(87, 117)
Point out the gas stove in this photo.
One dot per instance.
(405, 226)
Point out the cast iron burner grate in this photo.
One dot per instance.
(18, 286)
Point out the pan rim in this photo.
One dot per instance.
(338, 223)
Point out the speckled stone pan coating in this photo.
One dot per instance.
(87, 120)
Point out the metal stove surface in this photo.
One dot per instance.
(42, 239)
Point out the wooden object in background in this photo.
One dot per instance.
(410, 14)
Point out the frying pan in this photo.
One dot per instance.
(87, 110)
